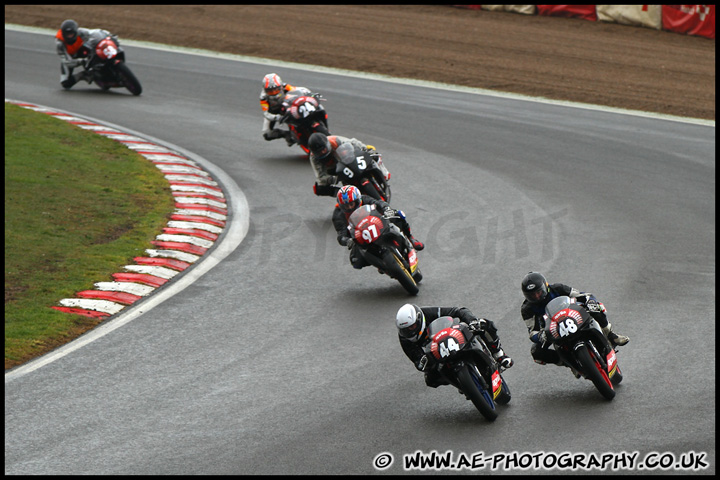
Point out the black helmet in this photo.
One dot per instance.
(319, 145)
(534, 287)
(69, 29)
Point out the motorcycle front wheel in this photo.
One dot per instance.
(471, 385)
(128, 79)
(595, 372)
(396, 269)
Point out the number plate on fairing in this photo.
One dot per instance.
(303, 107)
(447, 341)
(368, 230)
(565, 323)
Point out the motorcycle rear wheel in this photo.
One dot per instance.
(382, 188)
(396, 269)
(367, 188)
(467, 378)
(595, 373)
(128, 79)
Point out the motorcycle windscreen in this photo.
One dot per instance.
(557, 304)
(359, 214)
(345, 154)
(440, 324)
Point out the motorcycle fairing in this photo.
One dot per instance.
(496, 384)
(446, 341)
(611, 363)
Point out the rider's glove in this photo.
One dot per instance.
(478, 325)
(540, 337)
(372, 151)
(422, 364)
(273, 117)
(75, 62)
(389, 212)
(350, 243)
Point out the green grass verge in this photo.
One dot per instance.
(78, 207)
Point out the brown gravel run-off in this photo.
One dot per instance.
(561, 58)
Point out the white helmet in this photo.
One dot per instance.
(410, 321)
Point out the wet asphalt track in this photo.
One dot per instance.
(282, 359)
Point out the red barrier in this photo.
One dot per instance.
(586, 12)
(689, 19)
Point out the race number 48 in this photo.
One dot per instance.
(567, 327)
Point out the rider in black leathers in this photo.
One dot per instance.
(412, 322)
(538, 294)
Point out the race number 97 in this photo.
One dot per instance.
(370, 233)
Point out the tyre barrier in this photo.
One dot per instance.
(684, 19)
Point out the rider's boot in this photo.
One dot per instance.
(614, 338)
(499, 355)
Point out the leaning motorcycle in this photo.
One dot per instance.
(304, 115)
(384, 245)
(465, 361)
(581, 344)
(365, 170)
(106, 64)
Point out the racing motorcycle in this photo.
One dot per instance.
(465, 361)
(581, 344)
(384, 245)
(304, 115)
(363, 169)
(106, 65)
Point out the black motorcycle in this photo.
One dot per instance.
(581, 344)
(465, 361)
(304, 115)
(384, 245)
(365, 170)
(106, 65)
